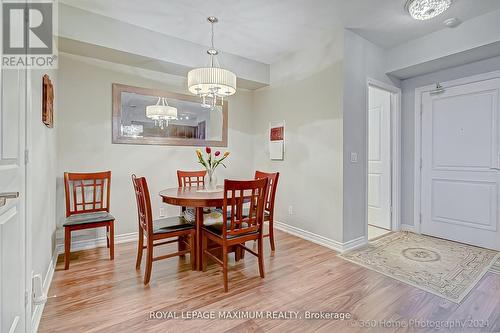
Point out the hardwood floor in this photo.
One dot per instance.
(98, 295)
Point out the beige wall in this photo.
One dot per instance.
(309, 99)
(84, 137)
(362, 60)
(41, 175)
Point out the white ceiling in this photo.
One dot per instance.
(267, 30)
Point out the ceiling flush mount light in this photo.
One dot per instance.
(161, 113)
(212, 83)
(427, 9)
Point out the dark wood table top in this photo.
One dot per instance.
(192, 197)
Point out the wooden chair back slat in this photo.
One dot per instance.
(236, 195)
(102, 192)
(85, 192)
(191, 178)
(272, 185)
(144, 211)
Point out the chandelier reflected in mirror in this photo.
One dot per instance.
(212, 83)
(161, 113)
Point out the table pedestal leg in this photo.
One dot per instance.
(199, 248)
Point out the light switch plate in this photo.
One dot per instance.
(354, 157)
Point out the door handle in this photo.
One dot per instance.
(7, 195)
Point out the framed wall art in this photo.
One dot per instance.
(277, 140)
(47, 102)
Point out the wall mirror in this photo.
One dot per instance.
(156, 117)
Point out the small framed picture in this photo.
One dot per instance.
(47, 102)
(277, 140)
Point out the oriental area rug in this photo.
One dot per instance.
(445, 268)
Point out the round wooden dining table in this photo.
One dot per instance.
(197, 198)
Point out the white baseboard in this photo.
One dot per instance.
(354, 243)
(410, 228)
(38, 309)
(321, 240)
(304, 234)
(97, 242)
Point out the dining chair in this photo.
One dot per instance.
(269, 205)
(191, 178)
(87, 207)
(268, 208)
(236, 228)
(157, 230)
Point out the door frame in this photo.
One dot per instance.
(417, 180)
(395, 151)
(30, 309)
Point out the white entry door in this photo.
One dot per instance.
(460, 164)
(12, 219)
(379, 158)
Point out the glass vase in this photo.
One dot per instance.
(210, 180)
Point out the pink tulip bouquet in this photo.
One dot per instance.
(211, 162)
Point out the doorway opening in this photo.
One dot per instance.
(383, 159)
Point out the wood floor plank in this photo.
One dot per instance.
(98, 295)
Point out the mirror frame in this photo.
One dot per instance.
(116, 121)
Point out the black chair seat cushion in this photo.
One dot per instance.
(216, 229)
(88, 218)
(170, 224)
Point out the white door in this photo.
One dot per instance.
(379, 158)
(460, 162)
(12, 219)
